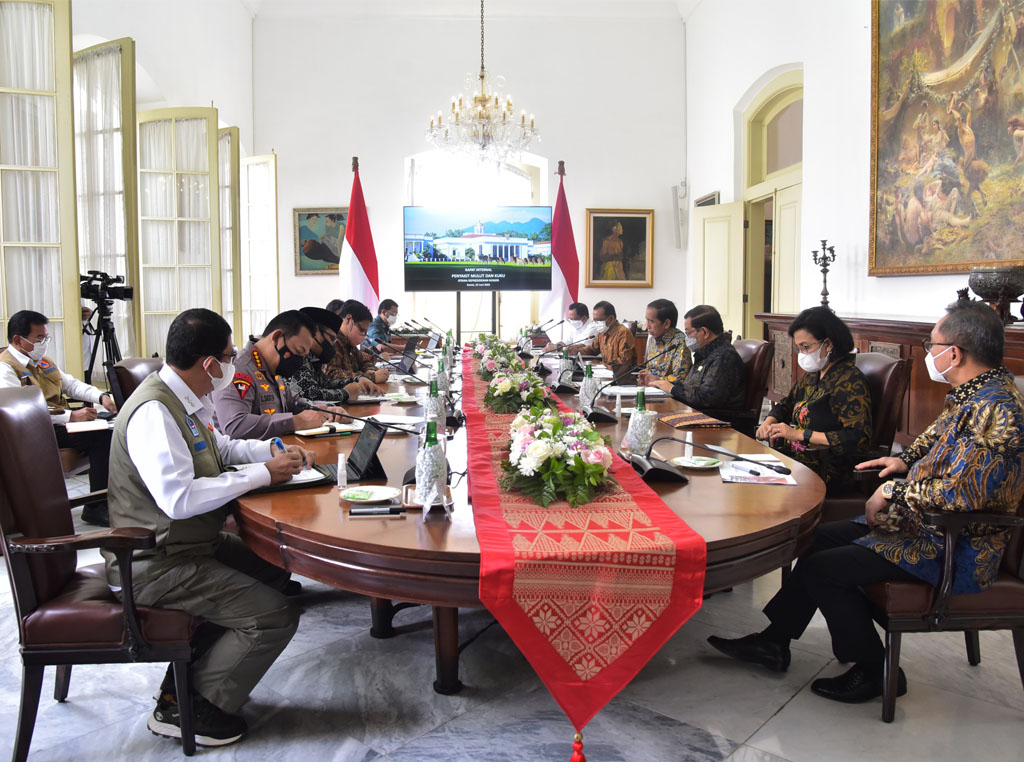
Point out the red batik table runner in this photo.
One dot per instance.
(588, 594)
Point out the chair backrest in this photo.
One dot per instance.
(630, 326)
(36, 498)
(757, 360)
(130, 373)
(888, 378)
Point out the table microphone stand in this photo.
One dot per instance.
(597, 415)
(653, 468)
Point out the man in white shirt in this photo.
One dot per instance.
(169, 473)
(24, 364)
(582, 327)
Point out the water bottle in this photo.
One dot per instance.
(640, 404)
(589, 387)
(430, 473)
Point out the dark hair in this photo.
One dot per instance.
(359, 311)
(822, 323)
(334, 305)
(322, 317)
(706, 316)
(607, 307)
(194, 335)
(290, 323)
(976, 329)
(21, 323)
(386, 305)
(666, 311)
(580, 309)
(312, 216)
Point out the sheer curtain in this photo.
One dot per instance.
(99, 178)
(29, 200)
(226, 196)
(259, 244)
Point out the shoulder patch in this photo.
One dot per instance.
(243, 383)
(45, 365)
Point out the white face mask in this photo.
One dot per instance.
(576, 324)
(38, 350)
(392, 320)
(812, 361)
(227, 373)
(933, 372)
(600, 326)
(692, 343)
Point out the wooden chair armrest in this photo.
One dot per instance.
(113, 538)
(958, 520)
(88, 498)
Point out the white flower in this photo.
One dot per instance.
(503, 386)
(539, 450)
(519, 421)
(528, 466)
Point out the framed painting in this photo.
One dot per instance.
(319, 233)
(620, 251)
(947, 137)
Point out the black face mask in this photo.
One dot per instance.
(326, 352)
(288, 363)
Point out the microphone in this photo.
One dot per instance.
(395, 365)
(300, 407)
(603, 414)
(650, 468)
(438, 327)
(453, 416)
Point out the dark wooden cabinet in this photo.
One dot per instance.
(899, 338)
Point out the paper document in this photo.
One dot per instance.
(304, 476)
(96, 425)
(738, 471)
(396, 418)
(331, 429)
(630, 391)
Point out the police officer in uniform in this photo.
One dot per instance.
(258, 404)
(24, 363)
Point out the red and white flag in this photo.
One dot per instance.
(358, 267)
(565, 272)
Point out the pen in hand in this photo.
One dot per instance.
(277, 443)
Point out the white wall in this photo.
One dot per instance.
(188, 52)
(731, 45)
(607, 93)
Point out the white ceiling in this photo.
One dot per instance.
(302, 9)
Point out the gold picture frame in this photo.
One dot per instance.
(620, 248)
(319, 234)
(946, 136)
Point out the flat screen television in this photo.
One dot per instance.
(494, 248)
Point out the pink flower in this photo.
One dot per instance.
(491, 365)
(600, 455)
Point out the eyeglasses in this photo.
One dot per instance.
(47, 338)
(230, 357)
(806, 348)
(927, 344)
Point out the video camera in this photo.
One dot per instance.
(99, 286)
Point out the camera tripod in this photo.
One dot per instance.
(105, 330)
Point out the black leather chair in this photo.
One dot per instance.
(757, 360)
(128, 374)
(67, 615)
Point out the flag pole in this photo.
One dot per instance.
(355, 164)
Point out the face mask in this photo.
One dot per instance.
(933, 372)
(577, 324)
(38, 350)
(326, 352)
(392, 320)
(812, 361)
(288, 363)
(227, 373)
(691, 343)
(600, 326)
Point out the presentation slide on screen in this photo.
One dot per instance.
(502, 248)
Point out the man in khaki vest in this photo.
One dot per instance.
(168, 474)
(24, 364)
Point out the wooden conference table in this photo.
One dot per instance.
(750, 530)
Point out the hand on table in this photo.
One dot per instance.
(108, 402)
(283, 465)
(83, 414)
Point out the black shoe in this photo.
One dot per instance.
(755, 649)
(95, 513)
(856, 685)
(292, 588)
(213, 726)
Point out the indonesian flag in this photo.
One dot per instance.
(358, 257)
(565, 274)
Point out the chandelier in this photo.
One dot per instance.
(487, 127)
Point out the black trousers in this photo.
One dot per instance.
(96, 445)
(827, 577)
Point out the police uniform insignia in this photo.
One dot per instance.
(256, 358)
(45, 365)
(270, 411)
(258, 375)
(192, 426)
(265, 387)
(281, 387)
(243, 383)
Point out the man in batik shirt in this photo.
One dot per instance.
(614, 342)
(970, 459)
(310, 381)
(662, 334)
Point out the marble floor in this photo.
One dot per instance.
(338, 694)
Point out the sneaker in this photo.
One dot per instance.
(213, 726)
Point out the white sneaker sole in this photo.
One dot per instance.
(171, 731)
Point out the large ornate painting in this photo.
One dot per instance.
(947, 135)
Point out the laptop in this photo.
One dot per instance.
(408, 362)
(410, 345)
(433, 341)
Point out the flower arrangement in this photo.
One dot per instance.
(485, 342)
(498, 359)
(555, 455)
(509, 392)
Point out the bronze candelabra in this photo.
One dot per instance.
(824, 261)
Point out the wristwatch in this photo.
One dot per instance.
(807, 436)
(888, 488)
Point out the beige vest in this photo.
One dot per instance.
(45, 375)
(131, 503)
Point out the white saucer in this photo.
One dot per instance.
(697, 462)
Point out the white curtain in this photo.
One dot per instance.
(259, 246)
(227, 234)
(99, 178)
(28, 196)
